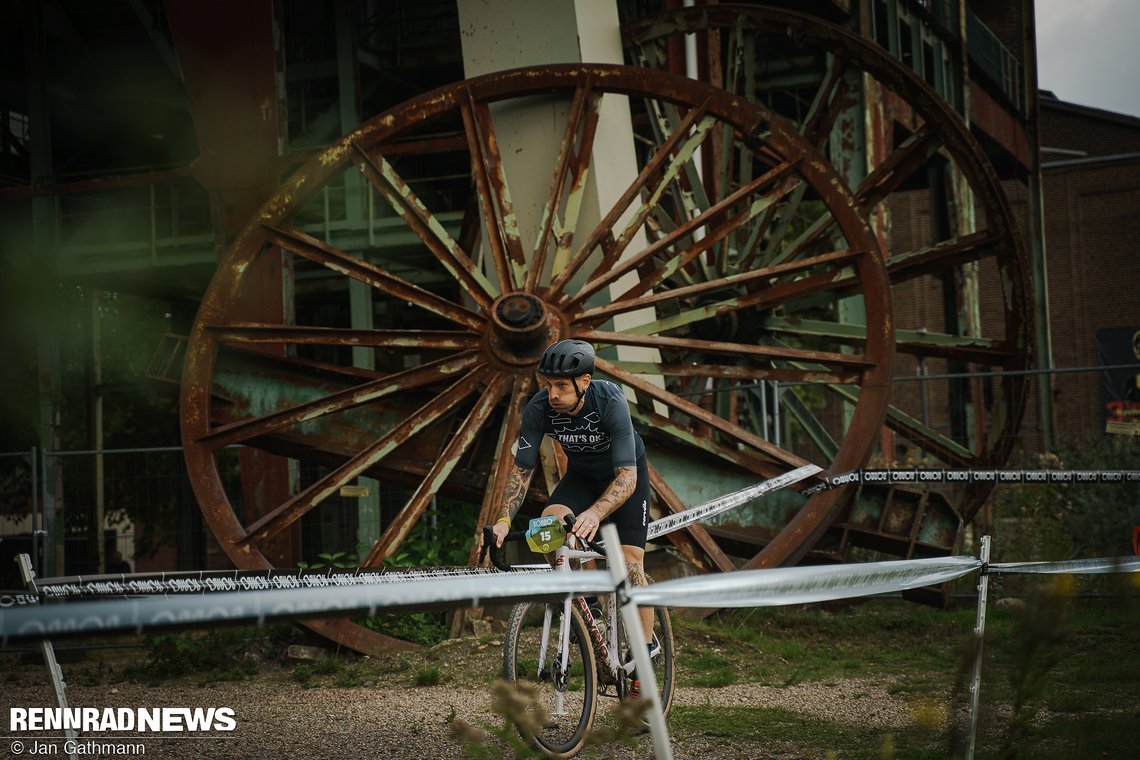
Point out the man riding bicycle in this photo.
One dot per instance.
(606, 474)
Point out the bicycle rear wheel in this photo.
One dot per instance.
(664, 661)
(565, 698)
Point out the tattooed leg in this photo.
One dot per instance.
(635, 563)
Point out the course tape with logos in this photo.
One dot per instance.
(136, 603)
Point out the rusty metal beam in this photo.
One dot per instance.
(695, 544)
(293, 509)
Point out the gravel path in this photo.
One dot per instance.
(278, 718)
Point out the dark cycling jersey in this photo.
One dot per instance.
(597, 440)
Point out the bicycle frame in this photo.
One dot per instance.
(607, 651)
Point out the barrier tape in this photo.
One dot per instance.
(1073, 566)
(913, 476)
(200, 582)
(207, 581)
(724, 503)
(134, 615)
(802, 585)
(16, 598)
(748, 588)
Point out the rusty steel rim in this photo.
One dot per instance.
(450, 396)
(846, 61)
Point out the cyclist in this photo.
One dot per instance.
(606, 474)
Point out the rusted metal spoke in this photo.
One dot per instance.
(744, 373)
(460, 441)
(498, 210)
(423, 223)
(687, 435)
(831, 99)
(575, 164)
(946, 449)
(689, 190)
(390, 385)
(966, 348)
(729, 429)
(508, 434)
(293, 509)
(680, 255)
(749, 350)
(901, 267)
(257, 332)
(808, 237)
(755, 287)
(962, 348)
(663, 167)
(695, 544)
(942, 256)
(900, 165)
(929, 440)
(337, 260)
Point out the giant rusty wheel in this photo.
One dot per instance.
(465, 296)
(842, 90)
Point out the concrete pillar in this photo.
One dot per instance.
(504, 34)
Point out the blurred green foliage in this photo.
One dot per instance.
(1058, 521)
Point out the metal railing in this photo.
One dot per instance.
(996, 61)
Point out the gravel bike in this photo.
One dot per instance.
(574, 652)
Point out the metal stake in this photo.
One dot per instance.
(48, 652)
(979, 634)
(632, 619)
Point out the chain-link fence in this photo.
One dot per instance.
(116, 510)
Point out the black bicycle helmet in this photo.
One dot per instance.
(567, 358)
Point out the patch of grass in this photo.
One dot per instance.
(811, 736)
(303, 674)
(707, 669)
(327, 666)
(426, 628)
(1087, 735)
(429, 675)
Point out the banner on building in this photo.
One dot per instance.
(1119, 388)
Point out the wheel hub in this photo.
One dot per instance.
(523, 327)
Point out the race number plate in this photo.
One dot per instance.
(545, 534)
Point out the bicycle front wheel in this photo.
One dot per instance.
(663, 659)
(561, 683)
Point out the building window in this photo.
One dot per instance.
(14, 136)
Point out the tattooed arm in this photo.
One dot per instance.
(615, 495)
(514, 492)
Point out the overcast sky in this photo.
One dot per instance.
(1089, 52)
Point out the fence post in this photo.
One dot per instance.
(979, 635)
(631, 616)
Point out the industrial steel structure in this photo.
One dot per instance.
(760, 216)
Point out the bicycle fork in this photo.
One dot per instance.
(559, 671)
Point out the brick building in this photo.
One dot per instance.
(1091, 181)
